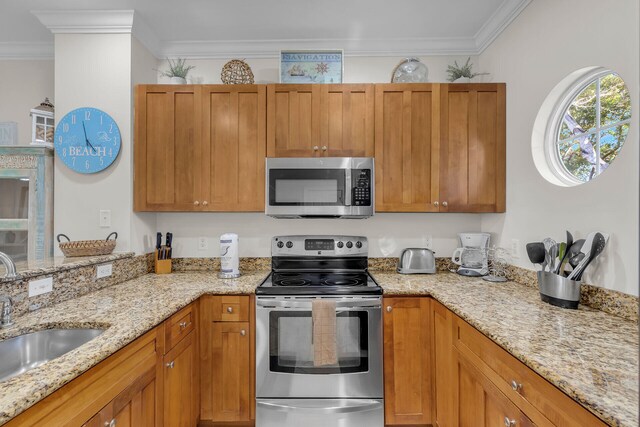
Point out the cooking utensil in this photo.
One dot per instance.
(597, 246)
(571, 256)
(562, 251)
(549, 245)
(536, 253)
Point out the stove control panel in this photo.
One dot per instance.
(330, 246)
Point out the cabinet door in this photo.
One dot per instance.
(180, 384)
(346, 120)
(234, 147)
(472, 152)
(230, 371)
(407, 361)
(133, 407)
(407, 135)
(293, 120)
(481, 404)
(167, 158)
(444, 372)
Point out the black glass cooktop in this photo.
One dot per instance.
(314, 283)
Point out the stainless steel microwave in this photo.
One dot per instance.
(327, 187)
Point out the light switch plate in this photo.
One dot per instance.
(105, 218)
(515, 248)
(41, 286)
(104, 270)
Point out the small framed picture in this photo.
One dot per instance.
(311, 66)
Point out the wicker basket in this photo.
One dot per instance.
(236, 72)
(87, 247)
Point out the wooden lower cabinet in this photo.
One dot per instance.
(180, 384)
(408, 387)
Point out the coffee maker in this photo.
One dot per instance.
(471, 255)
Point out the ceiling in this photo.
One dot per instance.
(259, 28)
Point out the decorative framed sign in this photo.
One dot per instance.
(311, 66)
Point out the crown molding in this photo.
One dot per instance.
(271, 48)
(498, 22)
(86, 21)
(26, 50)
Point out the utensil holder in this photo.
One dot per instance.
(559, 291)
(162, 266)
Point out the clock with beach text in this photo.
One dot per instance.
(87, 140)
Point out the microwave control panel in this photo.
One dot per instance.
(361, 191)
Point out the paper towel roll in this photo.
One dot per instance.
(229, 258)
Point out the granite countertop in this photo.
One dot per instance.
(590, 355)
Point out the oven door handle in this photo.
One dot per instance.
(306, 305)
(332, 406)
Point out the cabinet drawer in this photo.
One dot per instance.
(538, 398)
(229, 308)
(178, 326)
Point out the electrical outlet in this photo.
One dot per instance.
(428, 242)
(41, 286)
(105, 218)
(515, 248)
(203, 244)
(104, 270)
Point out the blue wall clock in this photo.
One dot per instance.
(87, 140)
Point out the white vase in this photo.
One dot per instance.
(462, 80)
(178, 80)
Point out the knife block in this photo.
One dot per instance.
(162, 266)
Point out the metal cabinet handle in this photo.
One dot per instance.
(229, 309)
(196, 203)
(205, 203)
(183, 325)
(315, 148)
(516, 386)
(389, 308)
(508, 422)
(111, 423)
(171, 364)
(436, 203)
(324, 148)
(243, 332)
(445, 204)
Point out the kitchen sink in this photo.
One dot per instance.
(28, 351)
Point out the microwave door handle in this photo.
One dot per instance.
(347, 187)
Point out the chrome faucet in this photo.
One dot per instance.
(9, 265)
(5, 314)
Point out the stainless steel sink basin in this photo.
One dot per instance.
(28, 351)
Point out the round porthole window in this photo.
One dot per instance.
(581, 126)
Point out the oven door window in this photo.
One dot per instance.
(291, 343)
(307, 187)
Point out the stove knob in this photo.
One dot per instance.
(340, 245)
(280, 244)
(358, 244)
(289, 244)
(349, 244)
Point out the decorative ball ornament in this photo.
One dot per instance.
(410, 70)
(236, 72)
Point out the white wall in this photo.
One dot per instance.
(546, 42)
(24, 85)
(356, 69)
(94, 70)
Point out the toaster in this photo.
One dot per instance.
(417, 261)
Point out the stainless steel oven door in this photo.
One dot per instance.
(284, 349)
(319, 412)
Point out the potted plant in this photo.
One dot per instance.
(462, 74)
(177, 71)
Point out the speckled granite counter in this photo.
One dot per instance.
(591, 355)
(128, 310)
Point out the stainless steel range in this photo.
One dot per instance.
(293, 386)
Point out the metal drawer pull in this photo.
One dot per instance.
(183, 325)
(445, 204)
(508, 422)
(436, 204)
(389, 308)
(324, 148)
(229, 309)
(170, 364)
(243, 332)
(196, 203)
(315, 148)
(516, 386)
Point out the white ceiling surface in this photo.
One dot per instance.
(260, 28)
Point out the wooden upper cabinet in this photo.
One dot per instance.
(234, 147)
(407, 134)
(472, 152)
(334, 120)
(408, 388)
(167, 150)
